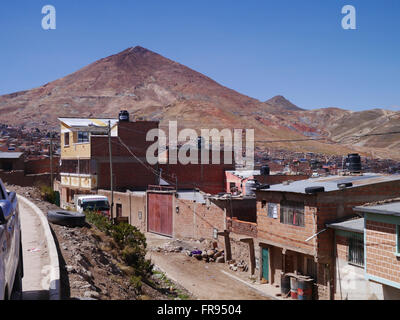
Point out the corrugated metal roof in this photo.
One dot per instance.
(355, 225)
(10, 155)
(192, 196)
(245, 173)
(85, 122)
(392, 208)
(330, 183)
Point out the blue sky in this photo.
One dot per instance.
(260, 48)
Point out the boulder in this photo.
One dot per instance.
(220, 260)
(210, 253)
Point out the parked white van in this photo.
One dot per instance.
(93, 203)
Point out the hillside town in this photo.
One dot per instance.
(200, 159)
(298, 226)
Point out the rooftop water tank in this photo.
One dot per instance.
(354, 162)
(123, 116)
(250, 185)
(265, 170)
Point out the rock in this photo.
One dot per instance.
(91, 294)
(188, 253)
(210, 253)
(220, 260)
(197, 256)
(218, 254)
(211, 260)
(70, 269)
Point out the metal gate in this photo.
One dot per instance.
(159, 209)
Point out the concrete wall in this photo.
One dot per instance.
(350, 281)
(133, 206)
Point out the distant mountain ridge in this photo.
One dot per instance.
(153, 87)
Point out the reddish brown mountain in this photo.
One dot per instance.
(156, 88)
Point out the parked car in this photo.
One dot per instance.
(11, 260)
(92, 203)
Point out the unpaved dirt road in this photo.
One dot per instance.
(35, 283)
(203, 280)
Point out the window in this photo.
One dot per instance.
(66, 139)
(83, 136)
(292, 212)
(119, 210)
(356, 249)
(272, 210)
(263, 204)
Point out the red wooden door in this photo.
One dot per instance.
(160, 213)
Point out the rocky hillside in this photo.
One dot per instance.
(153, 87)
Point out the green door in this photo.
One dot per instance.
(265, 264)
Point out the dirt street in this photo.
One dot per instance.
(204, 280)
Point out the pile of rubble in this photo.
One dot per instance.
(238, 266)
(210, 255)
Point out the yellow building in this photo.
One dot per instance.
(76, 175)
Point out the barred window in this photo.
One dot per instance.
(356, 250)
(292, 212)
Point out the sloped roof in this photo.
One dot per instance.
(86, 122)
(10, 155)
(330, 183)
(391, 208)
(354, 225)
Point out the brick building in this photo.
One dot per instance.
(85, 165)
(209, 178)
(382, 247)
(291, 224)
(11, 161)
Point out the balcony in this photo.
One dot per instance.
(79, 181)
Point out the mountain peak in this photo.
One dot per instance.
(281, 102)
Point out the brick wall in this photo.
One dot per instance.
(127, 175)
(381, 249)
(342, 247)
(279, 178)
(272, 229)
(196, 220)
(242, 227)
(41, 166)
(19, 178)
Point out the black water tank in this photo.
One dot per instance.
(314, 190)
(123, 116)
(315, 164)
(354, 161)
(200, 143)
(265, 170)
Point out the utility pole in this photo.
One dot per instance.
(111, 171)
(51, 162)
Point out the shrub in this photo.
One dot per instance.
(100, 221)
(130, 241)
(48, 194)
(136, 283)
